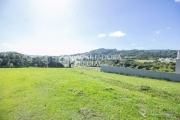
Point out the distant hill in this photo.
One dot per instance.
(14, 59)
(133, 54)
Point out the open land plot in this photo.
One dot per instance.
(72, 93)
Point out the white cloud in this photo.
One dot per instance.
(101, 35)
(157, 32)
(177, 0)
(117, 34)
(168, 28)
(133, 44)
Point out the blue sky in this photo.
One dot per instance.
(56, 27)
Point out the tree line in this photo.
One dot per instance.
(129, 57)
(153, 65)
(18, 60)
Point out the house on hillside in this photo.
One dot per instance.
(166, 59)
(161, 59)
(169, 59)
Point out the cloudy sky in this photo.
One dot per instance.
(56, 27)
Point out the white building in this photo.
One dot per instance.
(166, 59)
(161, 59)
(169, 59)
(178, 63)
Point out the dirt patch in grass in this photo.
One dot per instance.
(74, 90)
(88, 114)
(81, 93)
(142, 110)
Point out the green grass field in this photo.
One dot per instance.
(78, 94)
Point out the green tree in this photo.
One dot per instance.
(1, 60)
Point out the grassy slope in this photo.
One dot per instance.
(40, 93)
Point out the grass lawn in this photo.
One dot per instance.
(78, 94)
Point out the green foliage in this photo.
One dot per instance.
(155, 65)
(17, 60)
(136, 54)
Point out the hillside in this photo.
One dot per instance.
(15, 60)
(135, 54)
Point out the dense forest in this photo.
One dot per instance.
(129, 59)
(136, 54)
(17, 60)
